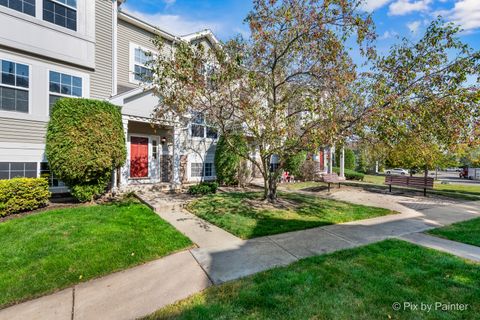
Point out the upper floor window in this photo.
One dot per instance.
(139, 64)
(25, 6)
(63, 85)
(200, 129)
(61, 12)
(14, 87)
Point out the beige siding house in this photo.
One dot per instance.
(51, 49)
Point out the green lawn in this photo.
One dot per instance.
(465, 192)
(54, 249)
(361, 283)
(245, 215)
(459, 188)
(466, 232)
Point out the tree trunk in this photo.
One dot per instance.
(272, 187)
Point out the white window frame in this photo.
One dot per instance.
(132, 61)
(66, 6)
(29, 89)
(85, 86)
(204, 125)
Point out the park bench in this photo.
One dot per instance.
(330, 178)
(410, 182)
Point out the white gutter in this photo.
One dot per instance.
(146, 26)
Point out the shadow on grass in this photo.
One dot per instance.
(361, 283)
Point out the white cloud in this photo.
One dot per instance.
(370, 5)
(413, 26)
(402, 7)
(466, 13)
(175, 24)
(387, 35)
(169, 1)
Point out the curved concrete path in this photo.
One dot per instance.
(222, 257)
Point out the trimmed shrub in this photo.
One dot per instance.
(227, 159)
(294, 163)
(23, 194)
(350, 174)
(203, 188)
(349, 158)
(85, 142)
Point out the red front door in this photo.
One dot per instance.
(138, 157)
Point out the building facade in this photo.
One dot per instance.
(51, 49)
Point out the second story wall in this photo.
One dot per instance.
(129, 37)
(63, 31)
(101, 79)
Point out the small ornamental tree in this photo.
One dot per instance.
(228, 159)
(85, 142)
(294, 163)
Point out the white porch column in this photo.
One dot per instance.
(124, 171)
(331, 150)
(342, 162)
(176, 155)
(325, 160)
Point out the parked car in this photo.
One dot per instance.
(398, 171)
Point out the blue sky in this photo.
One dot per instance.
(393, 18)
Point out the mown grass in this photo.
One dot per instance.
(467, 232)
(361, 283)
(245, 215)
(54, 249)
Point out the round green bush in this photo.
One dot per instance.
(294, 163)
(85, 142)
(228, 159)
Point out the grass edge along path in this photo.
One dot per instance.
(56, 249)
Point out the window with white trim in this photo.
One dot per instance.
(199, 169)
(10, 170)
(200, 129)
(139, 65)
(24, 6)
(63, 85)
(14, 85)
(61, 12)
(196, 170)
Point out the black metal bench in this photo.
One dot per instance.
(410, 182)
(330, 178)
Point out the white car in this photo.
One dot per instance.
(399, 171)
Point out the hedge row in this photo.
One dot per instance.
(23, 194)
(203, 188)
(350, 174)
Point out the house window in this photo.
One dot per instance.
(61, 12)
(197, 170)
(10, 170)
(139, 64)
(199, 128)
(155, 149)
(14, 87)
(45, 172)
(63, 85)
(208, 169)
(25, 6)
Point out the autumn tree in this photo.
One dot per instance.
(284, 87)
(423, 102)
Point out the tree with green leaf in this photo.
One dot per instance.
(283, 87)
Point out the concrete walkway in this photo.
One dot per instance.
(463, 250)
(221, 256)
